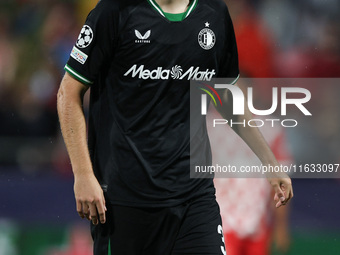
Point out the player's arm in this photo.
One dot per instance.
(252, 136)
(88, 193)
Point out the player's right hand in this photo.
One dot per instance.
(89, 197)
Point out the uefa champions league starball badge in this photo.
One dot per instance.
(85, 37)
(206, 37)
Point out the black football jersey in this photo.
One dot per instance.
(139, 65)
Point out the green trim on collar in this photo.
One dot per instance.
(173, 16)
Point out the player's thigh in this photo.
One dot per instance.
(201, 231)
(136, 231)
(101, 238)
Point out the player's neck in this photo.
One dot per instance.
(173, 6)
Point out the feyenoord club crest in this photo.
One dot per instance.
(206, 37)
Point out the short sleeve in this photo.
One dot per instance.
(95, 44)
(229, 65)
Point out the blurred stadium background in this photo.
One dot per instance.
(291, 38)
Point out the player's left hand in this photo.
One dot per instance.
(283, 188)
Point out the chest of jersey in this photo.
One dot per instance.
(152, 47)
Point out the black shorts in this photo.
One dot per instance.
(191, 228)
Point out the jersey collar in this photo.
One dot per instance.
(160, 11)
